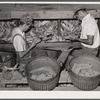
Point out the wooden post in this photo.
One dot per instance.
(59, 25)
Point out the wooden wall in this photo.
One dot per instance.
(44, 14)
(51, 14)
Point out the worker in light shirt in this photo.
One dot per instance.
(19, 39)
(90, 37)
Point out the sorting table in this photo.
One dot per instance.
(63, 46)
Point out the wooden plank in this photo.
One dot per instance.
(13, 82)
(55, 89)
(17, 88)
(51, 14)
(54, 45)
(43, 14)
(59, 26)
(7, 47)
(63, 57)
(5, 15)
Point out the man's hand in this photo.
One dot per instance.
(46, 38)
(74, 39)
(37, 40)
(33, 44)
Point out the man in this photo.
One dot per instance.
(18, 36)
(90, 38)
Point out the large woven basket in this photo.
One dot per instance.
(85, 83)
(46, 84)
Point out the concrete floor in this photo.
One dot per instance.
(65, 84)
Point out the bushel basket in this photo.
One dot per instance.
(85, 83)
(44, 84)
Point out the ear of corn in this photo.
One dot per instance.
(85, 70)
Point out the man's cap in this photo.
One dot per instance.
(76, 12)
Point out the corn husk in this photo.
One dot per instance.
(43, 73)
(85, 70)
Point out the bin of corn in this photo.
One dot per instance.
(42, 73)
(85, 72)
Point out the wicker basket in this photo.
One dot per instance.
(85, 83)
(47, 84)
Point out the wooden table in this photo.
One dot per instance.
(65, 47)
(55, 45)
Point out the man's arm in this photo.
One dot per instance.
(89, 40)
(23, 53)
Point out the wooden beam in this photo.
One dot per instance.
(5, 15)
(7, 47)
(43, 14)
(51, 14)
(59, 25)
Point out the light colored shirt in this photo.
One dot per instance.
(90, 27)
(18, 40)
